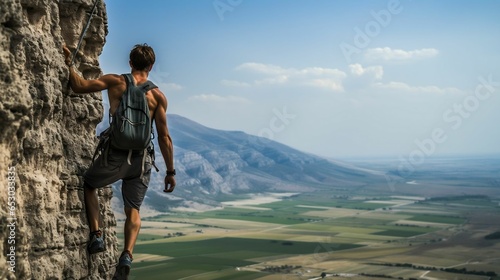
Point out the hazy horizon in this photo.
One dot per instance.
(410, 79)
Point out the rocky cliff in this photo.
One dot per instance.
(47, 140)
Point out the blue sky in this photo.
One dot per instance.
(407, 79)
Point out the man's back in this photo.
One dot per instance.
(116, 90)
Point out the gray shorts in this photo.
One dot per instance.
(134, 176)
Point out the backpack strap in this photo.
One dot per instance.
(102, 147)
(128, 79)
(145, 87)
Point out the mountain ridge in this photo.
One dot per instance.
(211, 163)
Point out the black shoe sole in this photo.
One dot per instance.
(121, 273)
(99, 250)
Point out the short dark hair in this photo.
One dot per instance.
(142, 56)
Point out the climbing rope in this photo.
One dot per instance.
(94, 8)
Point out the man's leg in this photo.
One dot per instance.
(96, 243)
(92, 207)
(133, 193)
(132, 227)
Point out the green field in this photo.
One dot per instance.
(229, 247)
(187, 268)
(438, 219)
(219, 254)
(275, 216)
(401, 233)
(330, 234)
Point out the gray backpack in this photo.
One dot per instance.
(131, 126)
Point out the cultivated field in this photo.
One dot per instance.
(302, 236)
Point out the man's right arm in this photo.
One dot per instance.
(81, 85)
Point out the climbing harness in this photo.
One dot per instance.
(94, 8)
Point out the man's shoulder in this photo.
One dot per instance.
(114, 76)
(157, 93)
(116, 85)
(114, 79)
(159, 98)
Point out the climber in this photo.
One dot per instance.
(113, 164)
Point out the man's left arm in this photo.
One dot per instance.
(164, 139)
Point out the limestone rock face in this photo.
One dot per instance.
(47, 140)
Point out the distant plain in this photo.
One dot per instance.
(430, 224)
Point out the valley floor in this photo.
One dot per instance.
(321, 234)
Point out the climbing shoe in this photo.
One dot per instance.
(123, 267)
(96, 242)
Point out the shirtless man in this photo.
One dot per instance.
(136, 174)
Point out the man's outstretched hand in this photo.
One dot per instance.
(169, 184)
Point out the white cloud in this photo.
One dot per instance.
(375, 71)
(219, 98)
(170, 86)
(361, 78)
(403, 87)
(325, 78)
(160, 78)
(318, 71)
(399, 55)
(326, 84)
(262, 68)
(356, 78)
(276, 80)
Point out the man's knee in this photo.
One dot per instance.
(131, 212)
